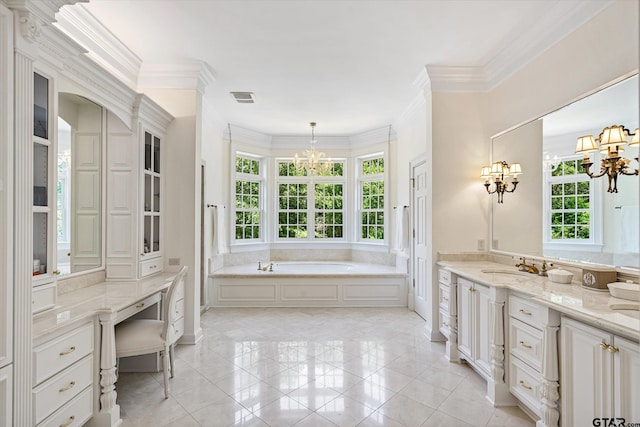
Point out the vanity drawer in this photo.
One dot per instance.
(525, 342)
(446, 324)
(74, 414)
(43, 297)
(447, 299)
(150, 267)
(180, 309)
(179, 328)
(528, 312)
(524, 383)
(56, 355)
(444, 276)
(60, 389)
(139, 306)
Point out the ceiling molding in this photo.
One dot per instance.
(562, 19)
(152, 114)
(422, 80)
(457, 78)
(44, 10)
(409, 115)
(104, 47)
(191, 75)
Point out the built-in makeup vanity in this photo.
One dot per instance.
(545, 346)
(88, 180)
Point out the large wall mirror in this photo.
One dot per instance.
(557, 210)
(79, 195)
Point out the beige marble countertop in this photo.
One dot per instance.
(586, 305)
(288, 269)
(89, 301)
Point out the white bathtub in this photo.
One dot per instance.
(309, 284)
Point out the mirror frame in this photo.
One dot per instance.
(493, 250)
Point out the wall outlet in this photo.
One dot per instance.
(481, 244)
(174, 261)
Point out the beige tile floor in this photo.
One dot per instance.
(312, 367)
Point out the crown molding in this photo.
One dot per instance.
(446, 78)
(155, 117)
(422, 80)
(381, 135)
(409, 114)
(243, 136)
(104, 47)
(86, 78)
(562, 19)
(44, 10)
(193, 75)
(56, 48)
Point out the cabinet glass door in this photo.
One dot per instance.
(42, 177)
(151, 182)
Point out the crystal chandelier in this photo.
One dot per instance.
(313, 161)
(610, 142)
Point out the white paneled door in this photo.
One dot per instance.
(419, 241)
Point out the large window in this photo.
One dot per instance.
(248, 198)
(371, 198)
(307, 202)
(570, 201)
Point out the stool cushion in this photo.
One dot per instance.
(135, 337)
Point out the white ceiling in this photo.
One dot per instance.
(348, 65)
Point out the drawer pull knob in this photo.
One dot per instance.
(67, 387)
(613, 349)
(523, 385)
(525, 312)
(524, 344)
(140, 305)
(71, 350)
(68, 423)
(604, 345)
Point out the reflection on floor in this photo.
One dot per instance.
(312, 367)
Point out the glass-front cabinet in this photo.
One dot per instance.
(151, 243)
(43, 195)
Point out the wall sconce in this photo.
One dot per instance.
(497, 174)
(611, 143)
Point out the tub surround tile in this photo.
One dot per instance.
(288, 383)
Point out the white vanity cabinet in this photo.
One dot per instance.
(600, 373)
(533, 357)
(151, 183)
(63, 371)
(448, 317)
(134, 197)
(474, 320)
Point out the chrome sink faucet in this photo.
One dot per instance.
(523, 266)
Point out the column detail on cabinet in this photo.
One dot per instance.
(448, 313)
(109, 413)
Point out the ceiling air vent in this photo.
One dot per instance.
(243, 97)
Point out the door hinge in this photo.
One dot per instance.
(414, 233)
(413, 182)
(414, 283)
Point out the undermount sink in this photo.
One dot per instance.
(507, 272)
(628, 309)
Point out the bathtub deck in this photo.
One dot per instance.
(366, 285)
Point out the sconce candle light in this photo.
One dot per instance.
(498, 174)
(314, 161)
(612, 141)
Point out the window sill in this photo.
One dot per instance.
(573, 246)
